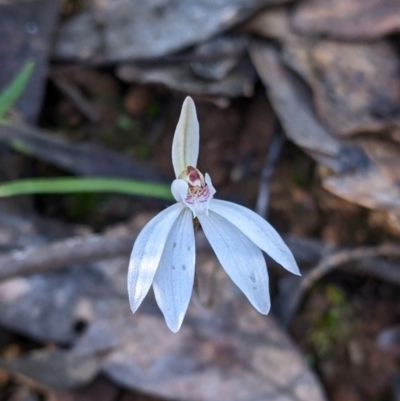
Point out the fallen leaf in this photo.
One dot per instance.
(356, 86)
(180, 77)
(228, 48)
(347, 19)
(119, 30)
(291, 101)
(54, 368)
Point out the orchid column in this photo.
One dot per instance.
(164, 251)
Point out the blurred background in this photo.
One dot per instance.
(299, 110)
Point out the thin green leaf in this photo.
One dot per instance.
(65, 185)
(15, 88)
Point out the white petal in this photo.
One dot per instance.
(146, 253)
(173, 282)
(241, 259)
(185, 146)
(207, 179)
(257, 230)
(179, 189)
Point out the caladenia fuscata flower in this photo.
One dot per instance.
(164, 252)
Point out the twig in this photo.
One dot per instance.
(73, 250)
(274, 150)
(76, 96)
(390, 273)
(94, 247)
(181, 58)
(77, 250)
(341, 258)
(63, 253)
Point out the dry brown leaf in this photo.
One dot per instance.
(367, 188)
(292, 103)
(348, 19)
(122, 30)
(356, 85)
(180, 77)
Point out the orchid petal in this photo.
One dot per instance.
(173, 282)
(185, 146)
(257, 230)
(179, 189)
(147, 252)
(211, 188)
(241, 259)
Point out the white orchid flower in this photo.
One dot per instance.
(164, 251)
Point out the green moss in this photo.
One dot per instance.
(333, 324)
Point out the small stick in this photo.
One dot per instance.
(335, 260)
(262, 204)
(77, 98)
(63, 253)
(70, 251)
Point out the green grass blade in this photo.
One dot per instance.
(15, 88)
(65, 185)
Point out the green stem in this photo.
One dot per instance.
(61, 185)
